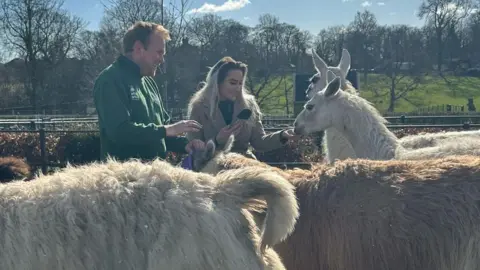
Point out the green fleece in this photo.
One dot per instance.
(131, 115)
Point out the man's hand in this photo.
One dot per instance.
(182, 127)
(194, 144)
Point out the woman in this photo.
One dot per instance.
(216, 106)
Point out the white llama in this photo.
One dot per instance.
(337, 147)
(365, 128)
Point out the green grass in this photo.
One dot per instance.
(431, 91)
(272, 97)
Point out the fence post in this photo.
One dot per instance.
(43, 152)
(32, 125)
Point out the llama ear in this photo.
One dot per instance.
(330, 77)
(345, 62)
(210, 149)
(333, 87)
(319, 64)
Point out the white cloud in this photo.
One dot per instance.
(381, 3)
(246, 18)
(452, 7)
(229, 5)
(393, 13)
(366, 4)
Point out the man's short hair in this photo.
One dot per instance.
(141, 31)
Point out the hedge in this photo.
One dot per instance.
(80, 148)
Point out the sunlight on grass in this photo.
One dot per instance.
(431, 91)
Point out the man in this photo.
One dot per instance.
(133, 122)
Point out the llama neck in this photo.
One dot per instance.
(368, 135)
(337, 146)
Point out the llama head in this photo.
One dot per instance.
(204, 159)
(320, 80)
(322, 110)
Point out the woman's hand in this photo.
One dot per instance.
(226, 131)
(289, 135)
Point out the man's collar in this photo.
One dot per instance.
(128, 64)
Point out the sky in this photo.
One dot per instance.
(311, 15)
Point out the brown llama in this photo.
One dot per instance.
(13, 168)
(365, 214)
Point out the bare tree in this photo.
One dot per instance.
(330, 42)
(36, 30)
(205, 32)
(60, 38)
(123, 13)
(362, 40)
(472, 36)
(441, 15)
(275, 51)
(399, 62)
(3, 54)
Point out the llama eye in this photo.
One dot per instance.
(309, 107)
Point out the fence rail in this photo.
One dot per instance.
(8, 118)
(44, 164)
(269, 122)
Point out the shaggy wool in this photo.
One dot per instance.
(135, 215)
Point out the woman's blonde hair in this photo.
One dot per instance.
(209, 93)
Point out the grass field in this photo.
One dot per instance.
(431, 91)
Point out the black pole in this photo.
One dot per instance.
(43, 152)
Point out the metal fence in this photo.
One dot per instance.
(44, 163)
(269, 122)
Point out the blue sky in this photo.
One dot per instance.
(312, 15)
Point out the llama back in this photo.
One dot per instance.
(366, 214)
(469, 145)
(434, 139)
(363, 214)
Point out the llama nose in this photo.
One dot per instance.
(297, 129)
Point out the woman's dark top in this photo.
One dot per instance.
(226, 107)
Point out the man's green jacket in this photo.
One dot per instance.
(131, 115)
